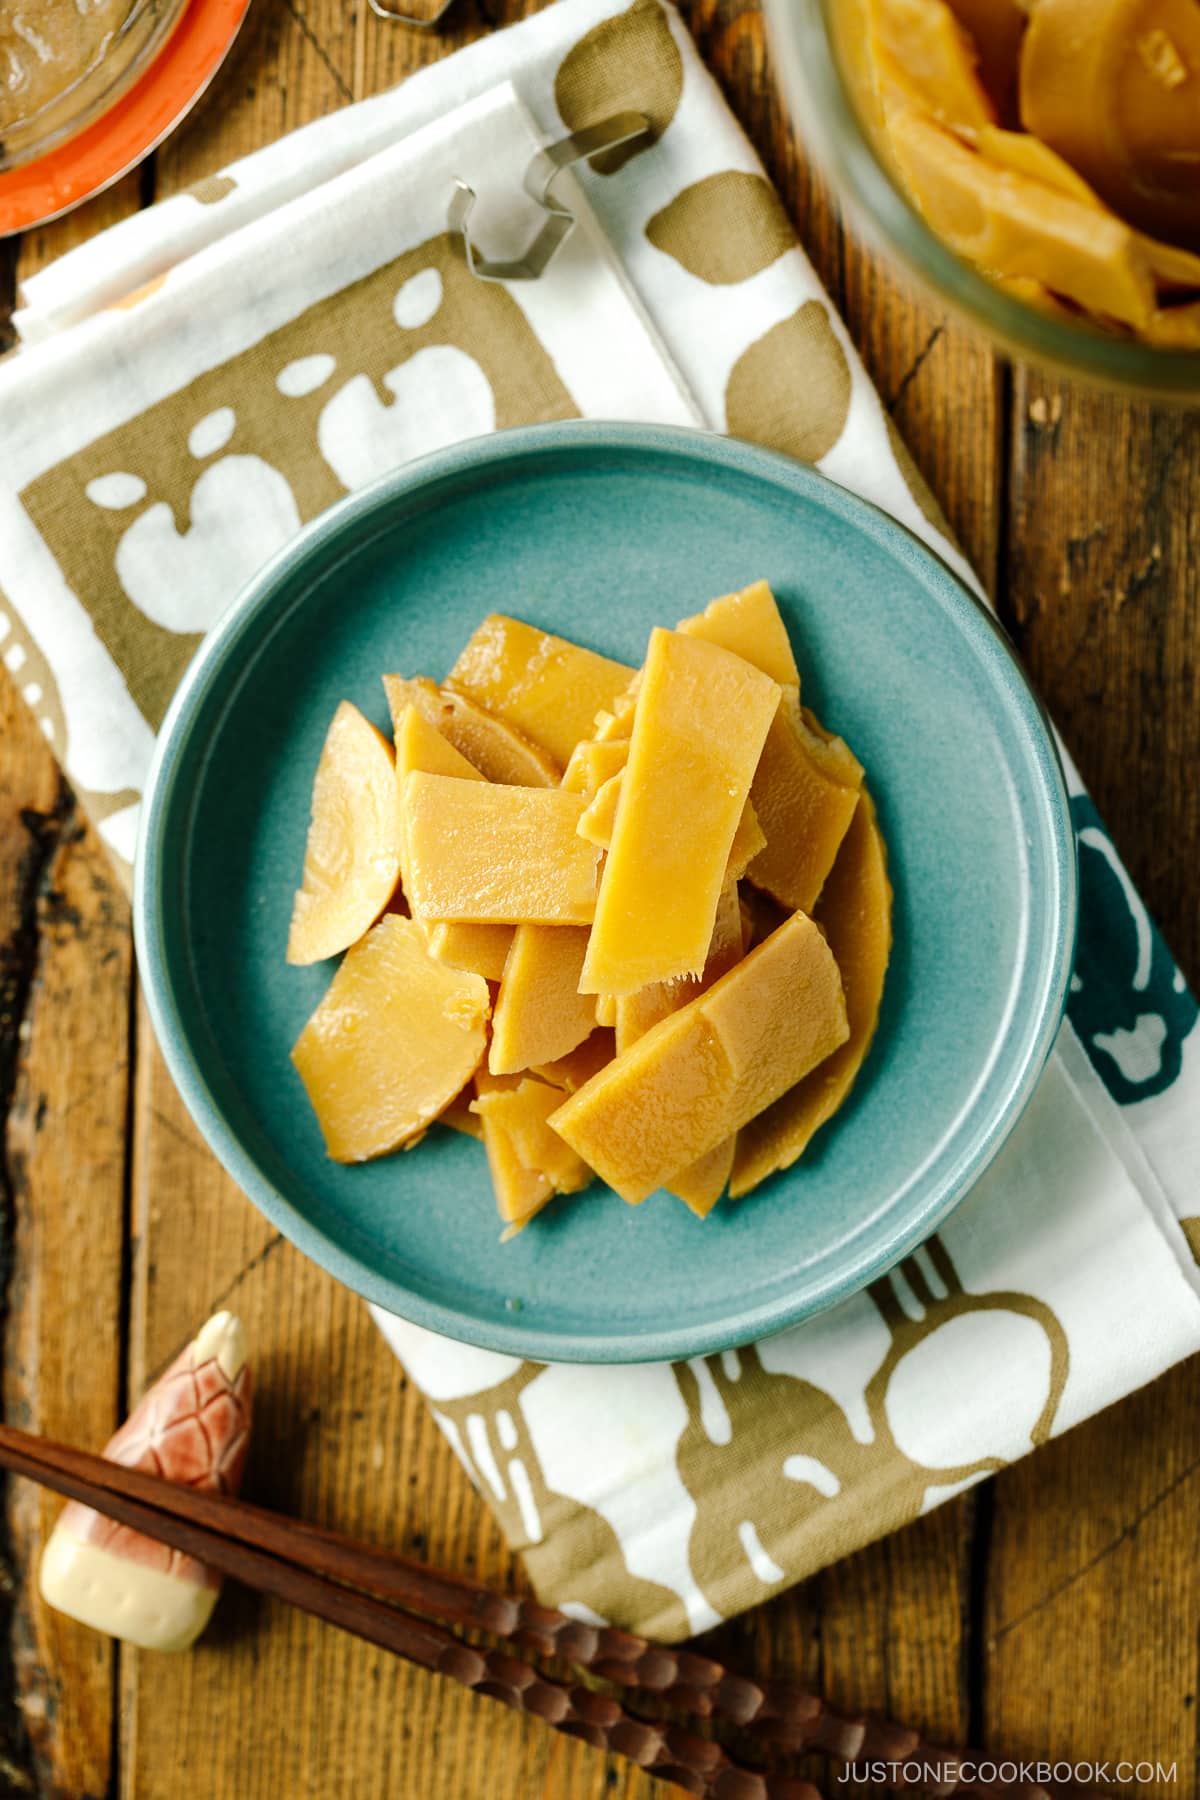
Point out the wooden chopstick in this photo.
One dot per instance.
(199, 1524)
(450, 1599)
(405, 1607)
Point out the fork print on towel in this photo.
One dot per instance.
(819, 1459)
(669, 1496)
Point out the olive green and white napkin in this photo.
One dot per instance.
(201, 379)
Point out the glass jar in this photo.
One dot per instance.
(84, 54)
(805, 39)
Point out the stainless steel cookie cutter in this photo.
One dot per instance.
(622, 128)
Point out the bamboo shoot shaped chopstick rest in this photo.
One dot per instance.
(657, 1705)
(193, 1428)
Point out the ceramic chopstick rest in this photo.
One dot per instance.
(193, 1427)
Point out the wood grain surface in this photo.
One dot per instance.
(1052, 1611)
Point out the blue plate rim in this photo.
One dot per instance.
(490, 453)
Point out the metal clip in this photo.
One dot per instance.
(402, 18)
(622, 128)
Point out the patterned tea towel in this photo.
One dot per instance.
(201, 379)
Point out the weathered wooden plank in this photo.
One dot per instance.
(1094, 1593)
(63, 1344)
(8, 290)
(1092, 1586)
(386, 52)
(893, 1622)
(31, 806)
(66, 1172)
(293, 62)
(945, 392)
(64, 973)
(1103, 547)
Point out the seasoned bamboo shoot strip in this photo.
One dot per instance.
(352, 856)
(547, 687)
(705, 1071)
(592, 763)
(749, 624)
(520, 1192)
(540, 1014)
(598, 817)
(805, 792)
(481, 948)
(487, 854)
(497, 749)
(523, 1111)
(614, 725)
(459, 1117)
(421, 746)
(638, 1013)
(570, 1072)
(856, 916)
(926, 59)
(802, 773)
(748, 841)
(702, 716)
(1111, 86)
(701, 1185)
(1018, 227)
(396, 1037)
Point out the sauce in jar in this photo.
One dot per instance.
(47, 47)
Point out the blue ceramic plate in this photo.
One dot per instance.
(600, 532)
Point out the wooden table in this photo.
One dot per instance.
(1053, 1610)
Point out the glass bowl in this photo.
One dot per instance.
(804, 39)
(134, 31)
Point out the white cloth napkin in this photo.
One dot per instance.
(203, 377)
